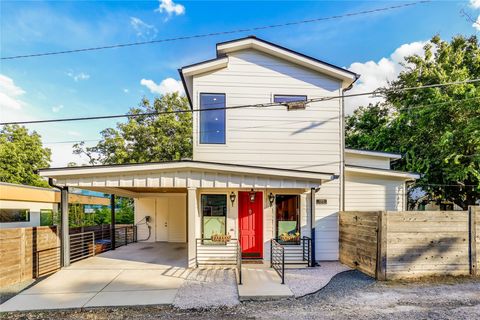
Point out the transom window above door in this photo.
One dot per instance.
(212, 118)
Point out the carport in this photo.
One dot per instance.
(137, 274)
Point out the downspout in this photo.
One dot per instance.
(313, 191)
(64, 227)
(342, 145)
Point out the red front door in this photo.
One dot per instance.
(250, 219)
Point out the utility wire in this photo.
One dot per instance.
(261, 105)
(291, 23)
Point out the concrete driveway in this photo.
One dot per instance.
(137, 274)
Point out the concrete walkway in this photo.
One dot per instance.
(156, 274)
(137, 274)
(261, 283)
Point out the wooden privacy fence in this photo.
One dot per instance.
(24, 250)
(392, 245)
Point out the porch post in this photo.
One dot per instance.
(192, 214)
(112, 221)
(64, 228)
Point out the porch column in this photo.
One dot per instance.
(112, 221)
(192, 215)
(64, 228)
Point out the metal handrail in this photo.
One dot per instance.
(277, 258)
(82, 245)
(306, 245)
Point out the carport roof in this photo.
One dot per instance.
(184, 173)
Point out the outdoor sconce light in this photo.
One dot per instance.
(233, 196)
(271, 198)
(252, 195)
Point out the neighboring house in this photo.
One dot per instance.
(260, 172)
(26, 206)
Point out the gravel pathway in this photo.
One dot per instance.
(208, 288)
(350, 295)
(308, 280)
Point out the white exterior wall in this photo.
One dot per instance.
(34, 208)
(272, 137)
(177, 217)
(367, 161)
(369, 192)
(275, 137)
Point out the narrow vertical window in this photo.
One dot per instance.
(288, 219)
(212, 119)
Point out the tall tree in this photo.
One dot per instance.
(146, 138)
(437, 129)
(21, 153)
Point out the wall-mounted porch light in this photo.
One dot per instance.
(271, 198)
(233, 196)
(252, 195)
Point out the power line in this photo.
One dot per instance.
(131, 44)
(261, 105)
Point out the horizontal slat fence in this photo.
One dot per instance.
(358, 240)
(392, 245)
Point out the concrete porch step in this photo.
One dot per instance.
(261, 283)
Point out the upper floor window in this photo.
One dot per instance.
(283, 98)
(212, 122)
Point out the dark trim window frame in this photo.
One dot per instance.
(287, 218)
(14, 215)
(214, 207)
(213, 134)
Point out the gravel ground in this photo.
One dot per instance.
(350, 295)
(308, 280)
(208, 288)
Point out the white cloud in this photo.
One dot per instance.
(142, 29)
(57, 108)
(476, 24)
(78, 76)
(74, 133)
(378, 74)
(126, 90)
(167, 85)
(10, 93)
(475, 4)
(170, 7)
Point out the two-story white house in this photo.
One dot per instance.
(275, 169)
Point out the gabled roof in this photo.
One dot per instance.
(224, 48)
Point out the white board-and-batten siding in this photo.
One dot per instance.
(185, 179)
(306, 139)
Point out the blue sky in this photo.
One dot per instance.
(110, 81)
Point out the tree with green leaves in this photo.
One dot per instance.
(146, 138)
(21, 154)
(436, 129)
